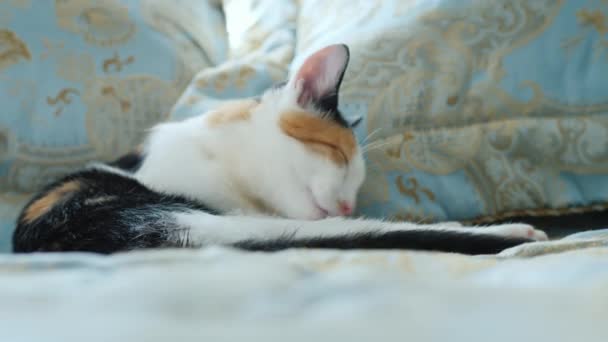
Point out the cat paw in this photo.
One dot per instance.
(518, 230)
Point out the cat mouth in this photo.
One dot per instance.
(324, 213)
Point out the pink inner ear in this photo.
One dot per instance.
(320, 73)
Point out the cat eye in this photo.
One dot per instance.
(332, 151)
(356, 121)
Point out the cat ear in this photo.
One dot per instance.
(318, 79)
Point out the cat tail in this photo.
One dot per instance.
(427, 240)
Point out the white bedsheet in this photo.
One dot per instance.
(298, 295)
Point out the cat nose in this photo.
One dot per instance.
(345, 208)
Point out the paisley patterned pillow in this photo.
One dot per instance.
(81, 80)
(261, 43)
(475, 109)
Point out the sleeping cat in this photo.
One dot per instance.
(263, 174)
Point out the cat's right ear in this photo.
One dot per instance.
(318, 79)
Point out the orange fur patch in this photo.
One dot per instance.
(322, 136)
(234, 111)
(44, 204)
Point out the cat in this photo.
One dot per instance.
(262, 174)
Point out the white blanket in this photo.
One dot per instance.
(222, 294)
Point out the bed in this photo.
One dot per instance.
(481, 112)
(302, 294)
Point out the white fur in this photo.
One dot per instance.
(224, 166)
(212, 229)
(108, 168)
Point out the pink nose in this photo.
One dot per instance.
(345, 208)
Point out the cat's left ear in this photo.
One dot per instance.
(318, 79)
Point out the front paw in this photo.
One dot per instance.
(517, 230)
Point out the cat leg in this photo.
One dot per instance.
(514, 230)
(268, 233)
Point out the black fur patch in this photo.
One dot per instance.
(428, 240)
(129, 162)
(109, 213)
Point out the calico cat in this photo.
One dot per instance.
(264, 174)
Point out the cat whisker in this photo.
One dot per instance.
(375, 146)
(369, 136)
(373, 143)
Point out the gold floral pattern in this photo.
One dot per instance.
(204, 26)
(104, 24)
(116, 64)
(124, 103)
(62, 99)
(454, 92)
(434, 88)
(101, 90)
(593, 22)
(12, 49)
(260, 47)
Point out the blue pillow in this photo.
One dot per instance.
(474, 110)
(82, 80)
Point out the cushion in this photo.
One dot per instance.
(261, 44)
(82, 80)
(481, 109)
(473, 110)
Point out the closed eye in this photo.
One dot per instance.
(323, 136)
(332, 151)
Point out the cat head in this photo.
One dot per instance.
(289, 152)
(328, 155)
